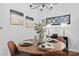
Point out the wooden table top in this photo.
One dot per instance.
(34, 50)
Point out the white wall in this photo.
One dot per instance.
(14, 32)
(18, 33)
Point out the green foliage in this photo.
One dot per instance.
(39, 27)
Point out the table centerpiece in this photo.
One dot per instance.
(39, 27)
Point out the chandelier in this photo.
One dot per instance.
(41, 6)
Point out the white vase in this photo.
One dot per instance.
(41, 37)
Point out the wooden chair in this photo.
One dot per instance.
(64, 39)
(61, 39)
(14, 51)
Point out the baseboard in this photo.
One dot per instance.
(74, 50)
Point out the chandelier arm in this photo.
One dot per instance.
(36, 3)
(47, 7)
(35, 7)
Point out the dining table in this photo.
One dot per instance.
(33, 49)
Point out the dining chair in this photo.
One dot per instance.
(64, 40)
(14, 51)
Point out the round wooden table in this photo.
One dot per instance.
(35, 51)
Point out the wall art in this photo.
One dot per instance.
(58, 19)
(16, 17)
(29, 22)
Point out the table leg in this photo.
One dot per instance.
(66, 39)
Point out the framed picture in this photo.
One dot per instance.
(16, 18)
(57, 20)
(29, 22)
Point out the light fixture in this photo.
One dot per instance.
(49, 25)
(49, 6)
(63, 26)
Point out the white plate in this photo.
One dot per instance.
(47, 46)
(52, 39)
(55, 39)
(25, 41)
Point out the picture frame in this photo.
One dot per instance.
(58, 19)
(29, 22)
(16, 17)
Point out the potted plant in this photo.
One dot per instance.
(39, 27)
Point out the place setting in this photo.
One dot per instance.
(26, 43)
(45, 47)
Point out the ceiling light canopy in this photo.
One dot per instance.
(41, 6)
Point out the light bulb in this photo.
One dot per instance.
(49, 25)
(30, 5)
(41, 8)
